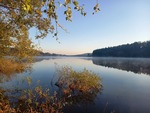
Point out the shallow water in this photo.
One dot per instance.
(126, 82)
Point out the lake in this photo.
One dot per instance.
(126, 82)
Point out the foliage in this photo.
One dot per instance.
(39, 101)
(18, 16)
(14, 36)
(32, 101)
(78, 86)
(137, 49)
(5, 106)
(84, 81)
(82, 86)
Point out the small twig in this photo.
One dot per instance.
(105, 107)
(62, 28)
(7, 6)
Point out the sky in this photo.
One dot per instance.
(119, 22)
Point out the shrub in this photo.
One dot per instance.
(82, 86)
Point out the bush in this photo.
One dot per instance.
(78, 86)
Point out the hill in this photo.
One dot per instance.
(82, 55)
(136, 49)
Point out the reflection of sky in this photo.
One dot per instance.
(124, 91)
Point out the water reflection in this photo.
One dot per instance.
(136, 65)
(125, 92)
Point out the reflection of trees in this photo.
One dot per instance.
(4, 78)
(9, 68)
(136, 65)
(40, 58)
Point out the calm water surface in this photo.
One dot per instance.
(126, 82)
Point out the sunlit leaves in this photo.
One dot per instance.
(68, 14)
(79, 8)
(15, 23)
(82, 11)
(26, 5)
(67, 2)
(60, 4)
(52, 10)
(96, 8)
(75, 3)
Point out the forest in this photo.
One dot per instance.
(136, 49)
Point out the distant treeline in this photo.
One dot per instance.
(137, 49)
(40, 53)
(37, 53)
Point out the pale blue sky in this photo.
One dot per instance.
(118, 22)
